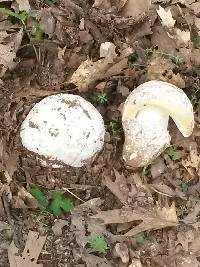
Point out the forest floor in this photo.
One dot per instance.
(42, 44)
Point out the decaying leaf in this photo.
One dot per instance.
(192, 162)
(135, 263)
(23, 5)
(32, 250)
(103, 4)
(122, 252)
(24, 200)
(8, 50)
(119, 187)
(95, 261)
(183, 37)
(193, 214)
(156, 218)
(166, 17)
(160, 68)
(135, 8)
(107, 50)
(58, 225)
(89, 72)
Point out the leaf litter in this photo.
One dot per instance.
(108, 47)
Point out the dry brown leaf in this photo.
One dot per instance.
(163, 189)
(192, 162)
(166, 17)
(8, 50)
(183, 37)
(23, 5)
(193, 214)
(107, 50)
(88, 73)
(32, 250)
(156, 218)
(103, 4)
(157, 167)
(58, 226)
(135, 8)
(95, 261)
(122, 252)
(119, 187)
(160, 68)
(47, 21)
(24, 200)
(195, 7)
(184, 238)
(135, 263)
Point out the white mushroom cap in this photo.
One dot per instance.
(64, 128)
(145, 120)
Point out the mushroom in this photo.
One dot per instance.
(145, 118)
(63, 128)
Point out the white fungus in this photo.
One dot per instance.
(145, 120)
(64, 128)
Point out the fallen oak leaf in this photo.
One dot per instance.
(32, 250)
(166, 17)
(119, 187)
(156, 218)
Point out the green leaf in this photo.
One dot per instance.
(184, 186)
(98, 244)
(140, 238)
(21, 15)
(60, 204)
(38, 32)
(39, 196)
(173, 153)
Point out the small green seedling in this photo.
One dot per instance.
(60, 204)
(38, 32)
(21, 15)
(113, 128)
(195, 39)
(100, 98)
(98, 244)
(173, 153)
(177, 60)
(150, 51)
(184, 186)
(140, 238)
(40, 197)
(57, 205)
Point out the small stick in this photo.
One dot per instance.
(73, 194)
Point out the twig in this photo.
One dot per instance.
(66, 189)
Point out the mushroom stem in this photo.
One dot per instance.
(146, 137)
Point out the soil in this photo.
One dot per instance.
(57, 38)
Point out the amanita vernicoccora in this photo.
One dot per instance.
(145, 120)
(63, 129)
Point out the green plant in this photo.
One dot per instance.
(20, 15)
(113, 128)
(184, 186)
(195, 39)
(173, 153)
(40, 197)
(140, 238)
(38, 32)
(100, 98)
(57, 204)
(60, 204)
(150, 51)
(98, 244)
